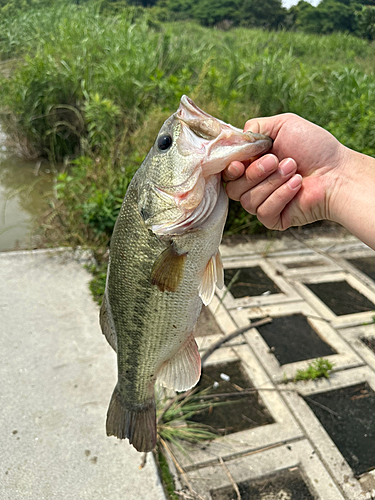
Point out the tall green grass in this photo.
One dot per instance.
(84, 83)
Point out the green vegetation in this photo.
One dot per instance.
(174, 424)
(97, 284)
(174, 427)
(87, 86)
(316, 369)
(166, 475)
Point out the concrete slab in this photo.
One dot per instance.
(345, 357)
(343, 321)
(287, 294)
(304, 264)
(266, 450)
(353, 488)
(288, 242)
(57, 374)
(283, 430)
(354, 335)
(264, 463)
(344, 261)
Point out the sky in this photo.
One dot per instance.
(289, 3)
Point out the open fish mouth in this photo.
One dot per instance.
(209, 145)
(214, 144)
(199, 122)
(217, 142)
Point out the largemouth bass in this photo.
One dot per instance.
(164, 263)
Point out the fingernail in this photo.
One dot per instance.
(252, 127)
(288, 166)
(267, 164)
(295, 181)
(232, 172)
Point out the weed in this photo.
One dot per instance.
(90, 87)
(97, 283)
(174, 423)
(316, 369)
(166, 475)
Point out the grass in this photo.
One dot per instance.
(97, 283)
(166, 475)
(174, 428)
(317, 369)
(174, 424)
(90, 90)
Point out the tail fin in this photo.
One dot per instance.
(139, 426)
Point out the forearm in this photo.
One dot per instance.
(353, 198)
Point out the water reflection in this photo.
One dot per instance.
(22, 199)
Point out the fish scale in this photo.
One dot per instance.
(152, 313)
(164, 263)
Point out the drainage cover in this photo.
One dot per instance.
(348, 416)
(291, 339)
(341, 297)
(249, 282)
(286, 485)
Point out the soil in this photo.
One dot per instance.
(287, 485)
(291, 339)
(348, 416)
(341, 297)
(370, 342)
(366, 265)
(250, 282)
(235, 414)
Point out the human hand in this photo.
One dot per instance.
(297, 183)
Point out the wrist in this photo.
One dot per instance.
(342, 181)
(352, 199)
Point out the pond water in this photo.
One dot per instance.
(23, 187)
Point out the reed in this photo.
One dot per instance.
(96, 86)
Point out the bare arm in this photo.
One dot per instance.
(353, 201)
(308, 176)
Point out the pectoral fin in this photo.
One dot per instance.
(213, 274)
(168, 270)
(183, 370)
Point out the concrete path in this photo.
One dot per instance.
(57, 374)
(331, 451)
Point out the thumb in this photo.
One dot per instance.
(267, 125)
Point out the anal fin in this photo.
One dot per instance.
(183, 370)
(213, 274)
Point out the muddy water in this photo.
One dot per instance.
(22, 198)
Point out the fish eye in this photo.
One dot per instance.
(164, 142)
